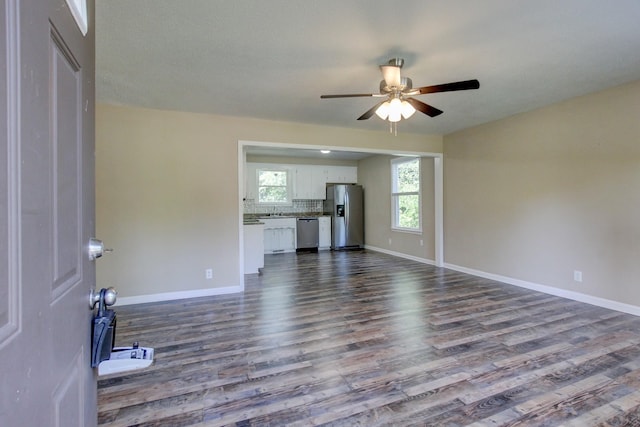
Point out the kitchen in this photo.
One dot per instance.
(286, 209)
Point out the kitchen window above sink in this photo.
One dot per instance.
(274, 186)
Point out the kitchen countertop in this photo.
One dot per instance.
(256, 217)
(253, 219)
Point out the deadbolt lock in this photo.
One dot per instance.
(96, 249)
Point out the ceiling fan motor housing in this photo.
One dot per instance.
(405, 85)
(396, 62)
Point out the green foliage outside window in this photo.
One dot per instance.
(406, 193)
(408, 177)
(409, 211)
(272, 186)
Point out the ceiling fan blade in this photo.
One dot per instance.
(370, 112)
(391, 75)
(348, 95)
(424, 108)
(449, 87)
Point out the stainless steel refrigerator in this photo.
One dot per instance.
(345, 205)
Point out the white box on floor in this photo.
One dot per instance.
(124, 359)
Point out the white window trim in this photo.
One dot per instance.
(394, 200)
(289, 201)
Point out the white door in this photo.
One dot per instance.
(47, 215)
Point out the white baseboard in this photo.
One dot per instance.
(576, 296)
(167, 296)
(401, 255)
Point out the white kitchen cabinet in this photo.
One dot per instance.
(342, 174)
(279, 235)
(310, 181)
(270, 240)
(302, 183)
(319, 176)
(250, 181)
(253, 248)
(324, 232)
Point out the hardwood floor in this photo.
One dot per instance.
(366, 339)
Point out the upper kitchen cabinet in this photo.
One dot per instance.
(342, 174)
(309, 183)
(250, 181)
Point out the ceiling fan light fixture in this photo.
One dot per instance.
(391, 75)
(383, 110)
(395, 110)
(407, 110)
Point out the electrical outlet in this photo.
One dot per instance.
(208, 273)
(389, 241)
(421, 242)
(577, 276)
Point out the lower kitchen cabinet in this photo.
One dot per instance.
(324, 232)
(253, 248)
(279, 235)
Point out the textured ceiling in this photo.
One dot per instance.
(272, 59)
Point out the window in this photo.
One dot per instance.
(405, 194)
(273, 187)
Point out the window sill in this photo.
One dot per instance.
(416, 231)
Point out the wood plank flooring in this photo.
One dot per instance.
(361, 338)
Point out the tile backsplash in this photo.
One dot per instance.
(298, 206)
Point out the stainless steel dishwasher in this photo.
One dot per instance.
(307, 234)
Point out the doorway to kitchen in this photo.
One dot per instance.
(306, 149)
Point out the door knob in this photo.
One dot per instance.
(106, 297)
(96, 249)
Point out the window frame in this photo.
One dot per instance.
(395, 195)
(288, 186)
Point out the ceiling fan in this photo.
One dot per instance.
(398, 93)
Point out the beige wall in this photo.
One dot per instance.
(167, 191)
(532, 197)
(539, 195)
(374, 173)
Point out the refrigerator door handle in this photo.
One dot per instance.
(346, 211)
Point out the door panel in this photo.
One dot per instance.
(68, 401)
(47, 186)
(66, 143)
